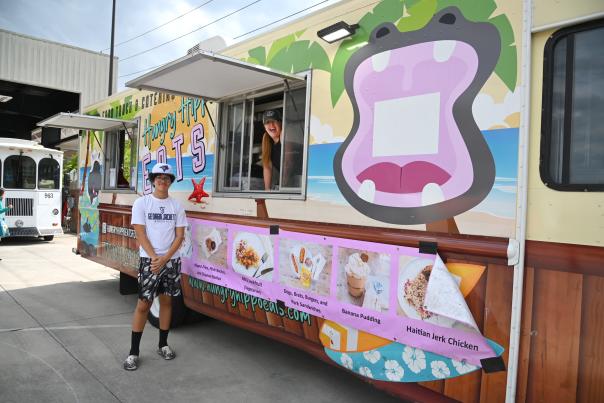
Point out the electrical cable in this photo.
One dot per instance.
(195, 30)
(140, 71)
(281, 19)
(237, 37)
(159, 26)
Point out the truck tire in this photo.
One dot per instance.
(179, 312)
(128, 284)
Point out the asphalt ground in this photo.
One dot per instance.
(65, 331)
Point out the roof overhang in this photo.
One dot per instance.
(84, 122)
(211, 76)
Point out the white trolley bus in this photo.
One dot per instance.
(32, 178)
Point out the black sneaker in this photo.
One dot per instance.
(166, 352)
(131, 363)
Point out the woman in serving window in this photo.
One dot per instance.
(271, 148)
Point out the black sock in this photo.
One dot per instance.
(163, 338)
(136, 342)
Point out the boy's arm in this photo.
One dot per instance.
(141, 237)
(180, 236)
(160, 261)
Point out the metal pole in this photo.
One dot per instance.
(522, 205)
(110, 91)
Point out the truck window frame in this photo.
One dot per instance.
(546, 154)
(284, 193)
(109, 154)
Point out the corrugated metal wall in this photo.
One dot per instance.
(48, 64)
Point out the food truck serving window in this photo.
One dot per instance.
(120, 160)
(119, 148)
(262, 143)
(572, 143)
(245, 91)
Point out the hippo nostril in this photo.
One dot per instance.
(382, 32)
(448, 19)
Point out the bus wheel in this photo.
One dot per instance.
(179, 312)
(48, 238)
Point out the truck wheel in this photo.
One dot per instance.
(179, 312)
(128, 284)
(48, 238)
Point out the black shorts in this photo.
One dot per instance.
(167, 282)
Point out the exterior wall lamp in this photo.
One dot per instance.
(337, 31)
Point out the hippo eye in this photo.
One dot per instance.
(448, 19)
(382, 32)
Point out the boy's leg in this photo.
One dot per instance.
(170, 288)
(147, 289)
(165, 317)
(165, 311)
(140, 315)
(138, 325)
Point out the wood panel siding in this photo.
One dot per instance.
(554, 355)
(590, 386)
(562, 328)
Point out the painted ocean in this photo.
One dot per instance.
(321, 185)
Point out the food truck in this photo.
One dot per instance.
(432, 220)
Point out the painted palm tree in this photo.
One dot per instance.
(292, 55)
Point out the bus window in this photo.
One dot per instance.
(48, 174)
(19, 172)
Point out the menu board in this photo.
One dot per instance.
(394, 292)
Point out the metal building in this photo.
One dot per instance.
(39, 78)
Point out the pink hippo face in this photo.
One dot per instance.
(415, 154)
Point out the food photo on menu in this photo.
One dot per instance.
(212, 244)
(414, 275)
(252, 255)
(306, 266)
(364, 279)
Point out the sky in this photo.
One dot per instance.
(87, 24)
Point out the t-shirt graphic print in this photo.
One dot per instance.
(160, 218)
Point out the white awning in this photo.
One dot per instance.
(85, 122)
(211, 76)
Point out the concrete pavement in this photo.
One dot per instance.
(65, 330)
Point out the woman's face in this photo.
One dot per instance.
(273, 128)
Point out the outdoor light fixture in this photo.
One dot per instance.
(337, 31)
(5, 98)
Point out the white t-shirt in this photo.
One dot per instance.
(160, 218)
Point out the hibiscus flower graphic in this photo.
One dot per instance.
(440, 369)
(415, 359)
(346, 361)
(463, 367)
(372, 356)
(393, 370)
(365, 372)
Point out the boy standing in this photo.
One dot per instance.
(159, 222)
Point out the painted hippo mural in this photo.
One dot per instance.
(415, 154)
